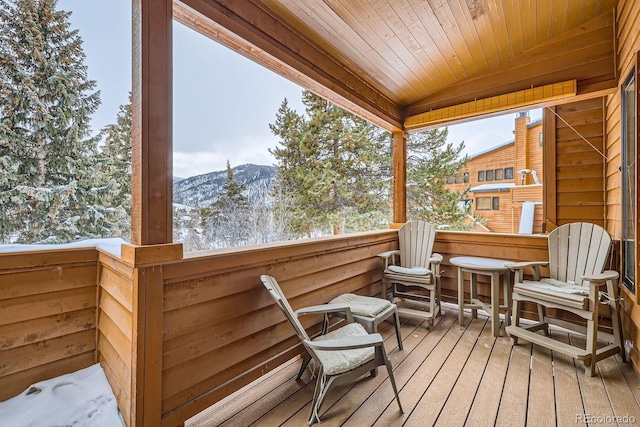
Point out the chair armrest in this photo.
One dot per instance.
(519, 265)
(348, 343)
(602, 277)
(434, 262)
(436, 258)
(389, 255)
(326, 308)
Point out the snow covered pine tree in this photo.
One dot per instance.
(49, 188)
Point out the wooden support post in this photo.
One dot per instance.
(146, 363)
(152, 149)
(399, 177)
(550, 179)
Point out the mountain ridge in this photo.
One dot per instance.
(202, 190)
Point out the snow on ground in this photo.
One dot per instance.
(79, 399)
(108, 245)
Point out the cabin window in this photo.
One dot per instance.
(480, 176)
(540, 139)
(499, 174)
(488, 203)
(508, 173)
(483, 203)
(465, 177)
(450, 180)
(629, 179)
(489, 175)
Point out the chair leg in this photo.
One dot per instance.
(393, 381)
(325, 385)
(371, 328)
(394, 293)
(542, 313)
(397, 322)
(305, 362)
(432, 308)
(592, 334)
(439, 295)
(385, 289)
(313, 416)
(615, 318)
(515, 321)
(507, 298)
(325, 324)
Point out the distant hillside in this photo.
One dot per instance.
(202, 190)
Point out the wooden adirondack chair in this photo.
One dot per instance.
(414, 267)
(342, 355)
(577, 256)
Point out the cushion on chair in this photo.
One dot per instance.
(361, 305)
(558, 286)
(413, 271)
(336, 362)
(546, 292)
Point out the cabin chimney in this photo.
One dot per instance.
(520, 138)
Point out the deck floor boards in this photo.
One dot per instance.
(450, 376)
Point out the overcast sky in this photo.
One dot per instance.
(223, 103)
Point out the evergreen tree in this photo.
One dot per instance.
(227, 221)
(430, 160)
(332, 169)
(48, 192)
(115, 171)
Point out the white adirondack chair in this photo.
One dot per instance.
(413, 271)
(577, 256)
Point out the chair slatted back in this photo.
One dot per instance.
(577, 249)
(276, 293)
(416, 243)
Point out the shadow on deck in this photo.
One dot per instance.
(451, 376)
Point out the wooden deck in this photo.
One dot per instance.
(451, 376)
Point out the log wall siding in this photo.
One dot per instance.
(521, 158)
(534, 153)
(574, 179)
(499, 221)
(115, 328)
(502, 157)
(47, 316)
(628, 36)
(525, 153)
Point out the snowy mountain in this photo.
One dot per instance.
(202, 190)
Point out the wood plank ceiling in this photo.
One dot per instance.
(412, 51)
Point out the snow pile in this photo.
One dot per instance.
(108, 245)
(82, 398)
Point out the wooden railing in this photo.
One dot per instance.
(176, 334)
(222, 331)
(47, 316)
(115, 327)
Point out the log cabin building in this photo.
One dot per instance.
(505, 179)
(177, 333)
